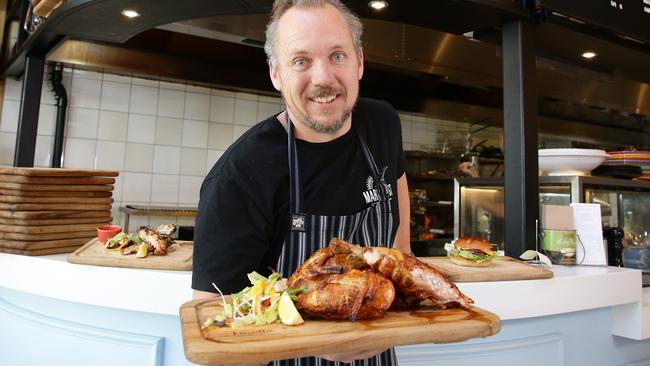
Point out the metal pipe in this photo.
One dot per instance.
(30, 103)
(61, 97)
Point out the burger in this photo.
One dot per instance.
(470, 251)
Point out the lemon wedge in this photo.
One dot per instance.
(143, 249)
(287, 311)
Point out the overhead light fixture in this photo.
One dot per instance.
(130, 13)
(377, 4)
(589, 54)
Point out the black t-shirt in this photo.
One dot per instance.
(243, 214)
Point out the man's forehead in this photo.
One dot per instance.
(300, 31)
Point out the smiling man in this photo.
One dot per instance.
(330, 165)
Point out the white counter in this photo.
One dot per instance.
(573, 288)
(102, 312)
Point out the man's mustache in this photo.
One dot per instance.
(324, 91)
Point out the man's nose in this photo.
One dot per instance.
(323, 73)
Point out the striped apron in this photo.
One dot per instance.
(308, 233)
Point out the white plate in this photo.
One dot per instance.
(570, 161)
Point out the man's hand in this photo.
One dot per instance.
(351, 356)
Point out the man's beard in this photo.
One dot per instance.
(327, 127)
(330, 126)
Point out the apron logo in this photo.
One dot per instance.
(372, 194)
(298, 222)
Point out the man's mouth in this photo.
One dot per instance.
(324, 99)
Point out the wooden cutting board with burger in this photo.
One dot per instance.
(473, 259)
(344, 298)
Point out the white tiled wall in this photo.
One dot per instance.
(164, 137)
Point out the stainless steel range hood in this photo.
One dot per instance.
(464, 74)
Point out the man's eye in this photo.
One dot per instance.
(339, 56)
(300, 63)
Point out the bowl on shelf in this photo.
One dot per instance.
(570, 161)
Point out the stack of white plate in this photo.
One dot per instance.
(570, 161)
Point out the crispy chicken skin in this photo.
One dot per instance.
(155, 240)
(411, 276)
(351, 295)
(335, 288)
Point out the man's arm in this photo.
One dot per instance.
(403, 237)
(196, 294)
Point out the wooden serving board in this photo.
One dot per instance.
(43, 244)
(52, 207)
(42, 229)
(24, 199)
(48, 236)
(40, 222)
(52, 214)
(501, 269)
(259, 344)
(178, 258)
(59, 172)
(58, 187)
(80, 194)
(54, 180)
(58, 250)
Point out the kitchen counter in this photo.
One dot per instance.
(46, 289)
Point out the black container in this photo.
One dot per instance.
(614, 237)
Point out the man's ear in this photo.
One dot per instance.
(360, 63)
(275, 77)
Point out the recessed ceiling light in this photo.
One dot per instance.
(589, 54)
(377, 4)
(130, 13)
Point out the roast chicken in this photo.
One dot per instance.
(347, 281)
(338, 287)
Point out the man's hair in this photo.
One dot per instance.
(281, 6)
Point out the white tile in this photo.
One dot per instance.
(171, 103)
(113, 125)
(115, 96)
(189, 189)
(136, 222)
(7, 147)
(142, 128)
(145, 82)
(222, 109)
(169, 131)
(166, 159)
(46, 119)
(266, 110)
(193, 161)
(85, 93)
(10, 111)
(13, 88)
(139, 158)
(86, 74)
(164, 189)
(237, 131)
(43, 151)
(195, 133)
(269, 99)
(407, 131)
(223, 93)
(197, 89)
(79, 153)
(242, 95)
(110, 155)
(82, 122)
(172, 86)
(219, 136)
(245, 112)
(419, 133)
(186, 221)
(117, 78)
(136, 187)
(117, 191)
(144, 99)
(213, 156)
(197, 106)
